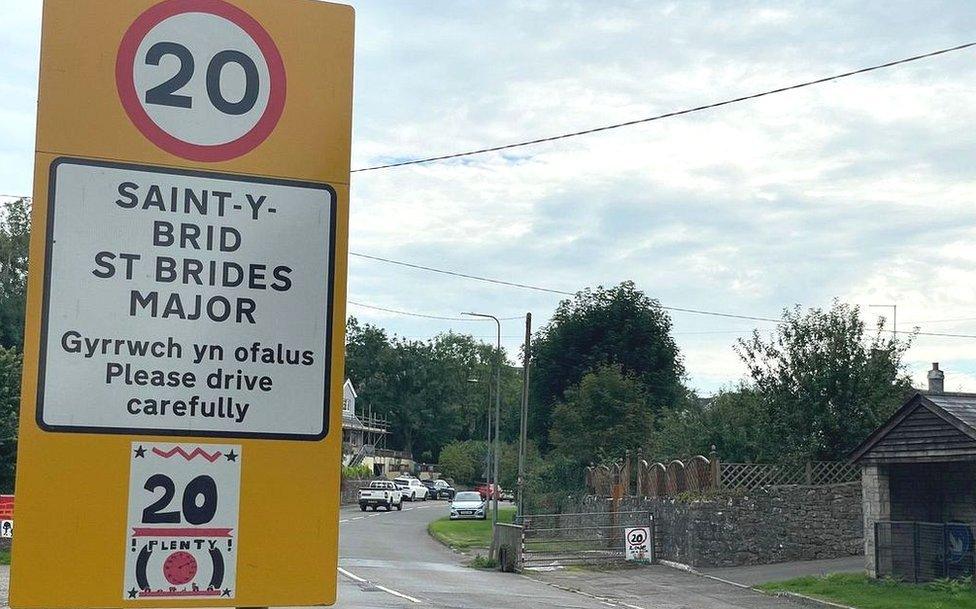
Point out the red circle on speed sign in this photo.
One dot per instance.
(201, 79)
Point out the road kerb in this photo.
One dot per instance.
(602, 599)
(796, 597)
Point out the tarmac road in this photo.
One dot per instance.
(389, 560)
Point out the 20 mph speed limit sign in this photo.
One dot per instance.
(181, 418)
(201, 79)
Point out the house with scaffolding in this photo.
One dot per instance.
(362, 435)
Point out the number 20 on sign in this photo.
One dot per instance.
(180, 431)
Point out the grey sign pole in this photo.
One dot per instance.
(524, 418)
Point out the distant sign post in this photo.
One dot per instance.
(184, 339)
(6, 516)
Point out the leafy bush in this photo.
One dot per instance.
(463, 461)
(357, 472)
(483, 562)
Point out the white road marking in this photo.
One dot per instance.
(400, 594)
(361, 580)
(606, 601)
(351, 576)
(374, 563)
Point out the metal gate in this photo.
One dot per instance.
(924, 551)
(552, 540)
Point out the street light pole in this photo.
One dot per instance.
(498, 409)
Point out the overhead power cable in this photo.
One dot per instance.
(639, 121)
(425, 315)
(565, 293)
(939, 321)
(526, 286)
(458, 274)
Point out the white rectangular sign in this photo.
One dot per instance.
(187, 303)
(637, 541)
(181, 539)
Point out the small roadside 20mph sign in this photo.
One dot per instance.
(184, 339)
(638, 544)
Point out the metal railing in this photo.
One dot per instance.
(924, 551)
(579, 538)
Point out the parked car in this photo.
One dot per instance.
(484, 489)
(381, 493)
(443, 490)
(431, 491)
(468, 505)
(506, 496)
(412, 488)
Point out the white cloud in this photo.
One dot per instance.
(860, 189)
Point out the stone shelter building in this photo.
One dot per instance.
(918, 480)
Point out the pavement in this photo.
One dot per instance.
(397, 561)
(759, 574)
(387, 560)
(660, 587)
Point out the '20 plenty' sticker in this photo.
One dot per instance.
(181, 540)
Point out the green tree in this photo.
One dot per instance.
(14, 244)
(607, 414)
(366, 346)
(731, 421)
(424, 388)
(617, 326)
(508, 463)
(463, 462)
(11, 364)
(823, 382)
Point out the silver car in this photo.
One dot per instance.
(468, 505)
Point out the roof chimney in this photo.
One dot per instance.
(936, 379)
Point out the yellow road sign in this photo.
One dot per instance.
(180, 430)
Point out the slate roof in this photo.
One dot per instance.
(928, 426)
(962, 406)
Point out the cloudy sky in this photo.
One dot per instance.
(861, 189)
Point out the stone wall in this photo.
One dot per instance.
(350, 490)
(774, 524)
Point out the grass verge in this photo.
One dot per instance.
(467, 534)
(857, 590)
(4, 557)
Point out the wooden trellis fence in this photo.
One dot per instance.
(699, 473)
